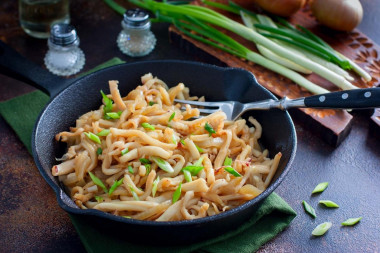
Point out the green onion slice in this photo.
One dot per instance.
(321, 229)
(177, 193)
(227, 161)
(114, 186)
(98, 182)
(93, 137)
(232, 171)
(329, 203)
(130, 169)
(114, 115)
(145, 161)
(309, 209)
(199, 162)
(127, 217)
(124, 151)
(320, 187)
(151, 103)
(107, 103)
(182, 142)
(200, 150)
(194, 170)
(209, 129)
(147, 126)
(154, 187)
(134, 194)
(187, 175)
(351, 221)
(164, 165)
(148, 168)
(99, 199)
(99, 151)
(104, 132)
(171, 117)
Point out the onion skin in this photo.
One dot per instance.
(341, 15)
(284, 8)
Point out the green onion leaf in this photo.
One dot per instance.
(130, 169)
(171, 117)
(104, 132)
(209, 129)
(98, 182)
(182, 142)
(351, 221)
(99, 199)
(154, 187)
(114, 115)
(309, 209)
(145, 161)
(177, 193)
(329, 203)
(199, 162)
(114, 186)
(124, 151)
(227, 161)
(151, 103)
(164, 165)
(134, 194)
(320, 187)
(187, 175)
(93, 137)
(194, 170)
(232, 171)
(107, 104)
(99, 151)
(148, 168)
(321, 229)
(147, 126)
(200, 150)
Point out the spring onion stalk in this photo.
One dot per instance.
(194, 170)
(116, 184)
(321, 229)
(93, 137)
(130, 169)
(164, 165)
(104, 132)
(154, 187)
(177, 193)
(329, 203)
(222, 6)
(99, 151)
(124, 151)
(244, 52)
(361, 72)
(309, 209)
(320, 187)
(147, 126)
(98, 182)
(187, 175)
(351, 221)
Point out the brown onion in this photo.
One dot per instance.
(283, 8)
(342, 15)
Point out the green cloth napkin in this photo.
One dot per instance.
(273, 216)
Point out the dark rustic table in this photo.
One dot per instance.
(32, 221)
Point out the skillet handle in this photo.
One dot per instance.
(14, 65)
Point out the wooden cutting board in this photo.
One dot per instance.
(332, 125)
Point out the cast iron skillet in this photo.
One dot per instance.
(70, 99)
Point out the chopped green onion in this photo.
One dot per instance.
(134, 194)
(147, 126)
(209, 129)
(114, 186)
(145, 161)
(124, 151)
(182, 142)
(107, 105)
(98, 182)
(194, 170)
(99, 151)
(151, 103)
(329, 203)
(93, 137)
(320, 187)
(164, 165)
(187, 175)
(148, 168)
(351, 221)
(154, 187)
(114, 115)
(130, 169)
(321, 229)
(177, 193)
(104, 132)
(232, 171)
(200, 150)
(199, 162)
(171, 117)
(127, 217)
(174, 139)
(227, 161)
(99, 199)
(309, 209)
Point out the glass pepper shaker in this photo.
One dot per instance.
(136, 39)
(64, 57)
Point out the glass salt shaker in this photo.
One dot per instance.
(136, 39)
(64, 57)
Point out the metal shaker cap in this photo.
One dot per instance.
(63, 35)
(136, 18)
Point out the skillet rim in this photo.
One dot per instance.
(93, 212)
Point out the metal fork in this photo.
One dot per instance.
(349, 99)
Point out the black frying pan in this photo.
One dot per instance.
(72, 98)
